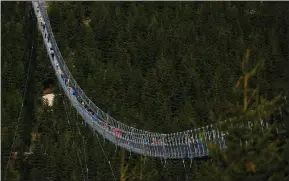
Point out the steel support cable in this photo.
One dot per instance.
(77, 152)
(22, 104)
(108, 161)
(85, 160)
(99, 142)
(104, 153)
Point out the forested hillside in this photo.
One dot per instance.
(158, 66)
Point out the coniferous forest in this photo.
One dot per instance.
(158, 66)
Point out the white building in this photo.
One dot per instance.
(48, 96)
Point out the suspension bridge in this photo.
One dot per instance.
(188, 144)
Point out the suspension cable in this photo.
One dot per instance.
(77, 151)
(85, 160)
(22, 104)
(104, 154)
(102, 151)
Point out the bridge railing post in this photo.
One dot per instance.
(179, 144)
(203, 139)
(195, 139)
(189, 142)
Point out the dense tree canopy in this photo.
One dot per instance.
(163, 67)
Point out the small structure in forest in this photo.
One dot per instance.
(48, 96)
(34, 137)
(86, 22)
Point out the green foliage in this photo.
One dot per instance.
(162, 67)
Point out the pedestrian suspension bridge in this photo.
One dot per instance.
(189, 144)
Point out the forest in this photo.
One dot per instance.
(158, 66)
